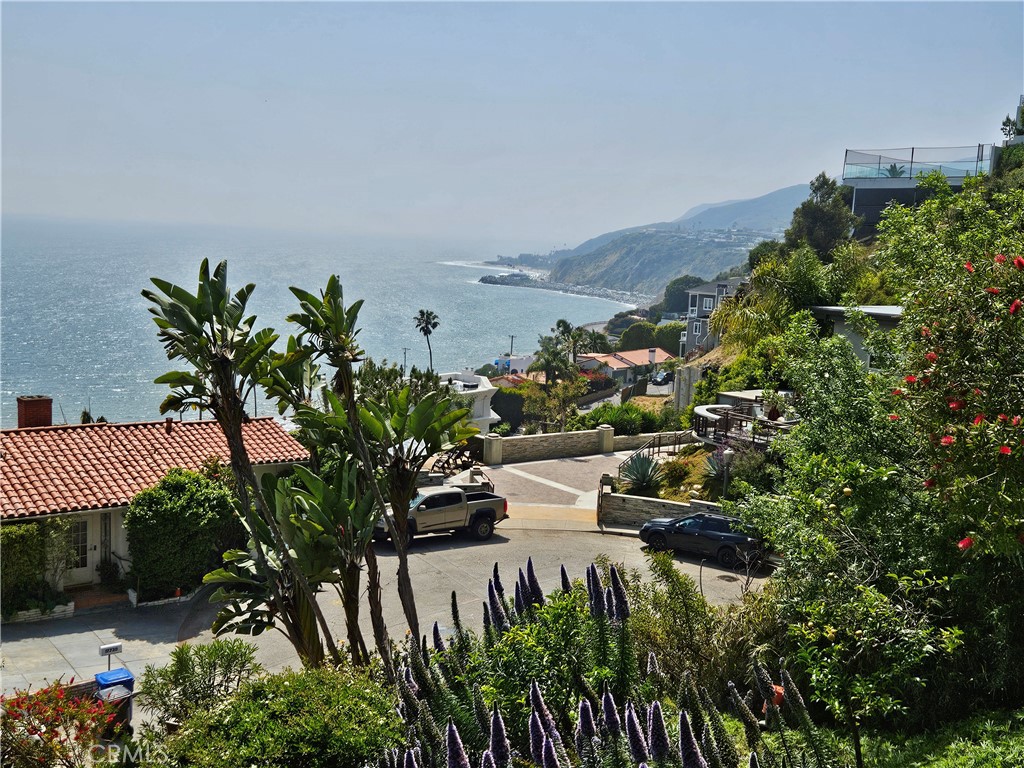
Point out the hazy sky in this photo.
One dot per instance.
(532, 122)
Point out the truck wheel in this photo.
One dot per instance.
(481, 528)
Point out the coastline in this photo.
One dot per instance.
(533, 279)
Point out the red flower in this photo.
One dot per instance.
(947, 440)
(956, 405)
(1015, 421)
(1004, 450)
(897, 392)
(926, 331)
(911, 379)
(978, 419)
(1000, 258)
(894, 417)
(931, 357)
(992, 290)
(1018, 262)
(1014, 306)
(965, 543)
(969, 267)
(1002, 417)
(929, 483)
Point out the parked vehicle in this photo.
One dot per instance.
(726, 539)
(663, 377)
(448, 508)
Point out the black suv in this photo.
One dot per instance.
(725, 538)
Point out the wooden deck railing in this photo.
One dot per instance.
(738, 423)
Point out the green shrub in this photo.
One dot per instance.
(502, 428)
(35, 556)
(507, 402)
(628, 419)
(197, 678)
(314, 718)
(641, 475)
(187, 509)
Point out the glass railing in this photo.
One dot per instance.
(909, 163)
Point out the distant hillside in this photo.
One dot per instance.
(771, 212)
(645, 261)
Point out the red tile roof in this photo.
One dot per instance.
(629, 359)
(72, 468)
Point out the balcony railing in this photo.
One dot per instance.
(952, 162)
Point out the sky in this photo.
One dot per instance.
(540, 124)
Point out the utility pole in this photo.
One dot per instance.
(512, 340)
(405, 354)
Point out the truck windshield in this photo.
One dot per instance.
(417, 501)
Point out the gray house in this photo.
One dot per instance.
(700, 303)
(886, 315)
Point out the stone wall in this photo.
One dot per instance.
(620, 509)
(635, 442)
(560, 445)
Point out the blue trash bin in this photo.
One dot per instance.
(119, 676)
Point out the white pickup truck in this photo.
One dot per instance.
(448, 508)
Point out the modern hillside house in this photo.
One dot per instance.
(882, 176)
(90, 472)
(700, 303)
(887, 316)
(477, 391)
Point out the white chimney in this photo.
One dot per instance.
(652, 354)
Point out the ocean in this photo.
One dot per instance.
(74, 325)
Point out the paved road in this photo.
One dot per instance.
(552, 519)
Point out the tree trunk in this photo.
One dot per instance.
(380, 630)
(231, 424)
(350, 603)
(430, 353)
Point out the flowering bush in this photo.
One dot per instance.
(50, 727)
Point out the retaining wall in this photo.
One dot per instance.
(634, 511)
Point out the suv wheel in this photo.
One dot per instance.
(481, 528)
(658, 542)
(727, 557)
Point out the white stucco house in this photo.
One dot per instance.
(478, 390)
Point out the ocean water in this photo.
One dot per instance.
(74, 325)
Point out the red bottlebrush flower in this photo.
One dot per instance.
(969, 267)
(978, 419)
(1002, 417)
(947, 440)
(1015, 421)
(894, 417)
(929, 483)
(993, 290)
(897, 392)
(965, 543)
(926, 331)
(1018, 262)
(931, 357)
(1014, 306)
(1005, 450)
(911, 379)
(1000, 258)
(977, 391)
(956, 405)
(926, 380)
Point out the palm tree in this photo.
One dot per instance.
(426, 323)
(552, 360)
(212, 334)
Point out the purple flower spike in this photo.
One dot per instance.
(411, 682)
(619, 590)
(566, 584)
(498, 616)
(586, 725)
(487, 619)
(635, 736)
(439, 645)
(500, 749)
(487, 761)
(611, 714)
(537, 594)
(546, 719)
(524, 585)
(688, 748)
(550, 758)
(497, 582)
(537, 738)
(609, 602)
(410, 759)
(652, 665)
(456, 754)
(661, 747)
(519, 602)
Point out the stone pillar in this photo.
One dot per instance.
(492, 450)
(605, 438)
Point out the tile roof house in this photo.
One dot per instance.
(92, 471)
(625, 367)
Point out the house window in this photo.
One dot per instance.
(80, 544)
(697, 328)
(709, 302)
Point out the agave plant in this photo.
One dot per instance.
(642, 475)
